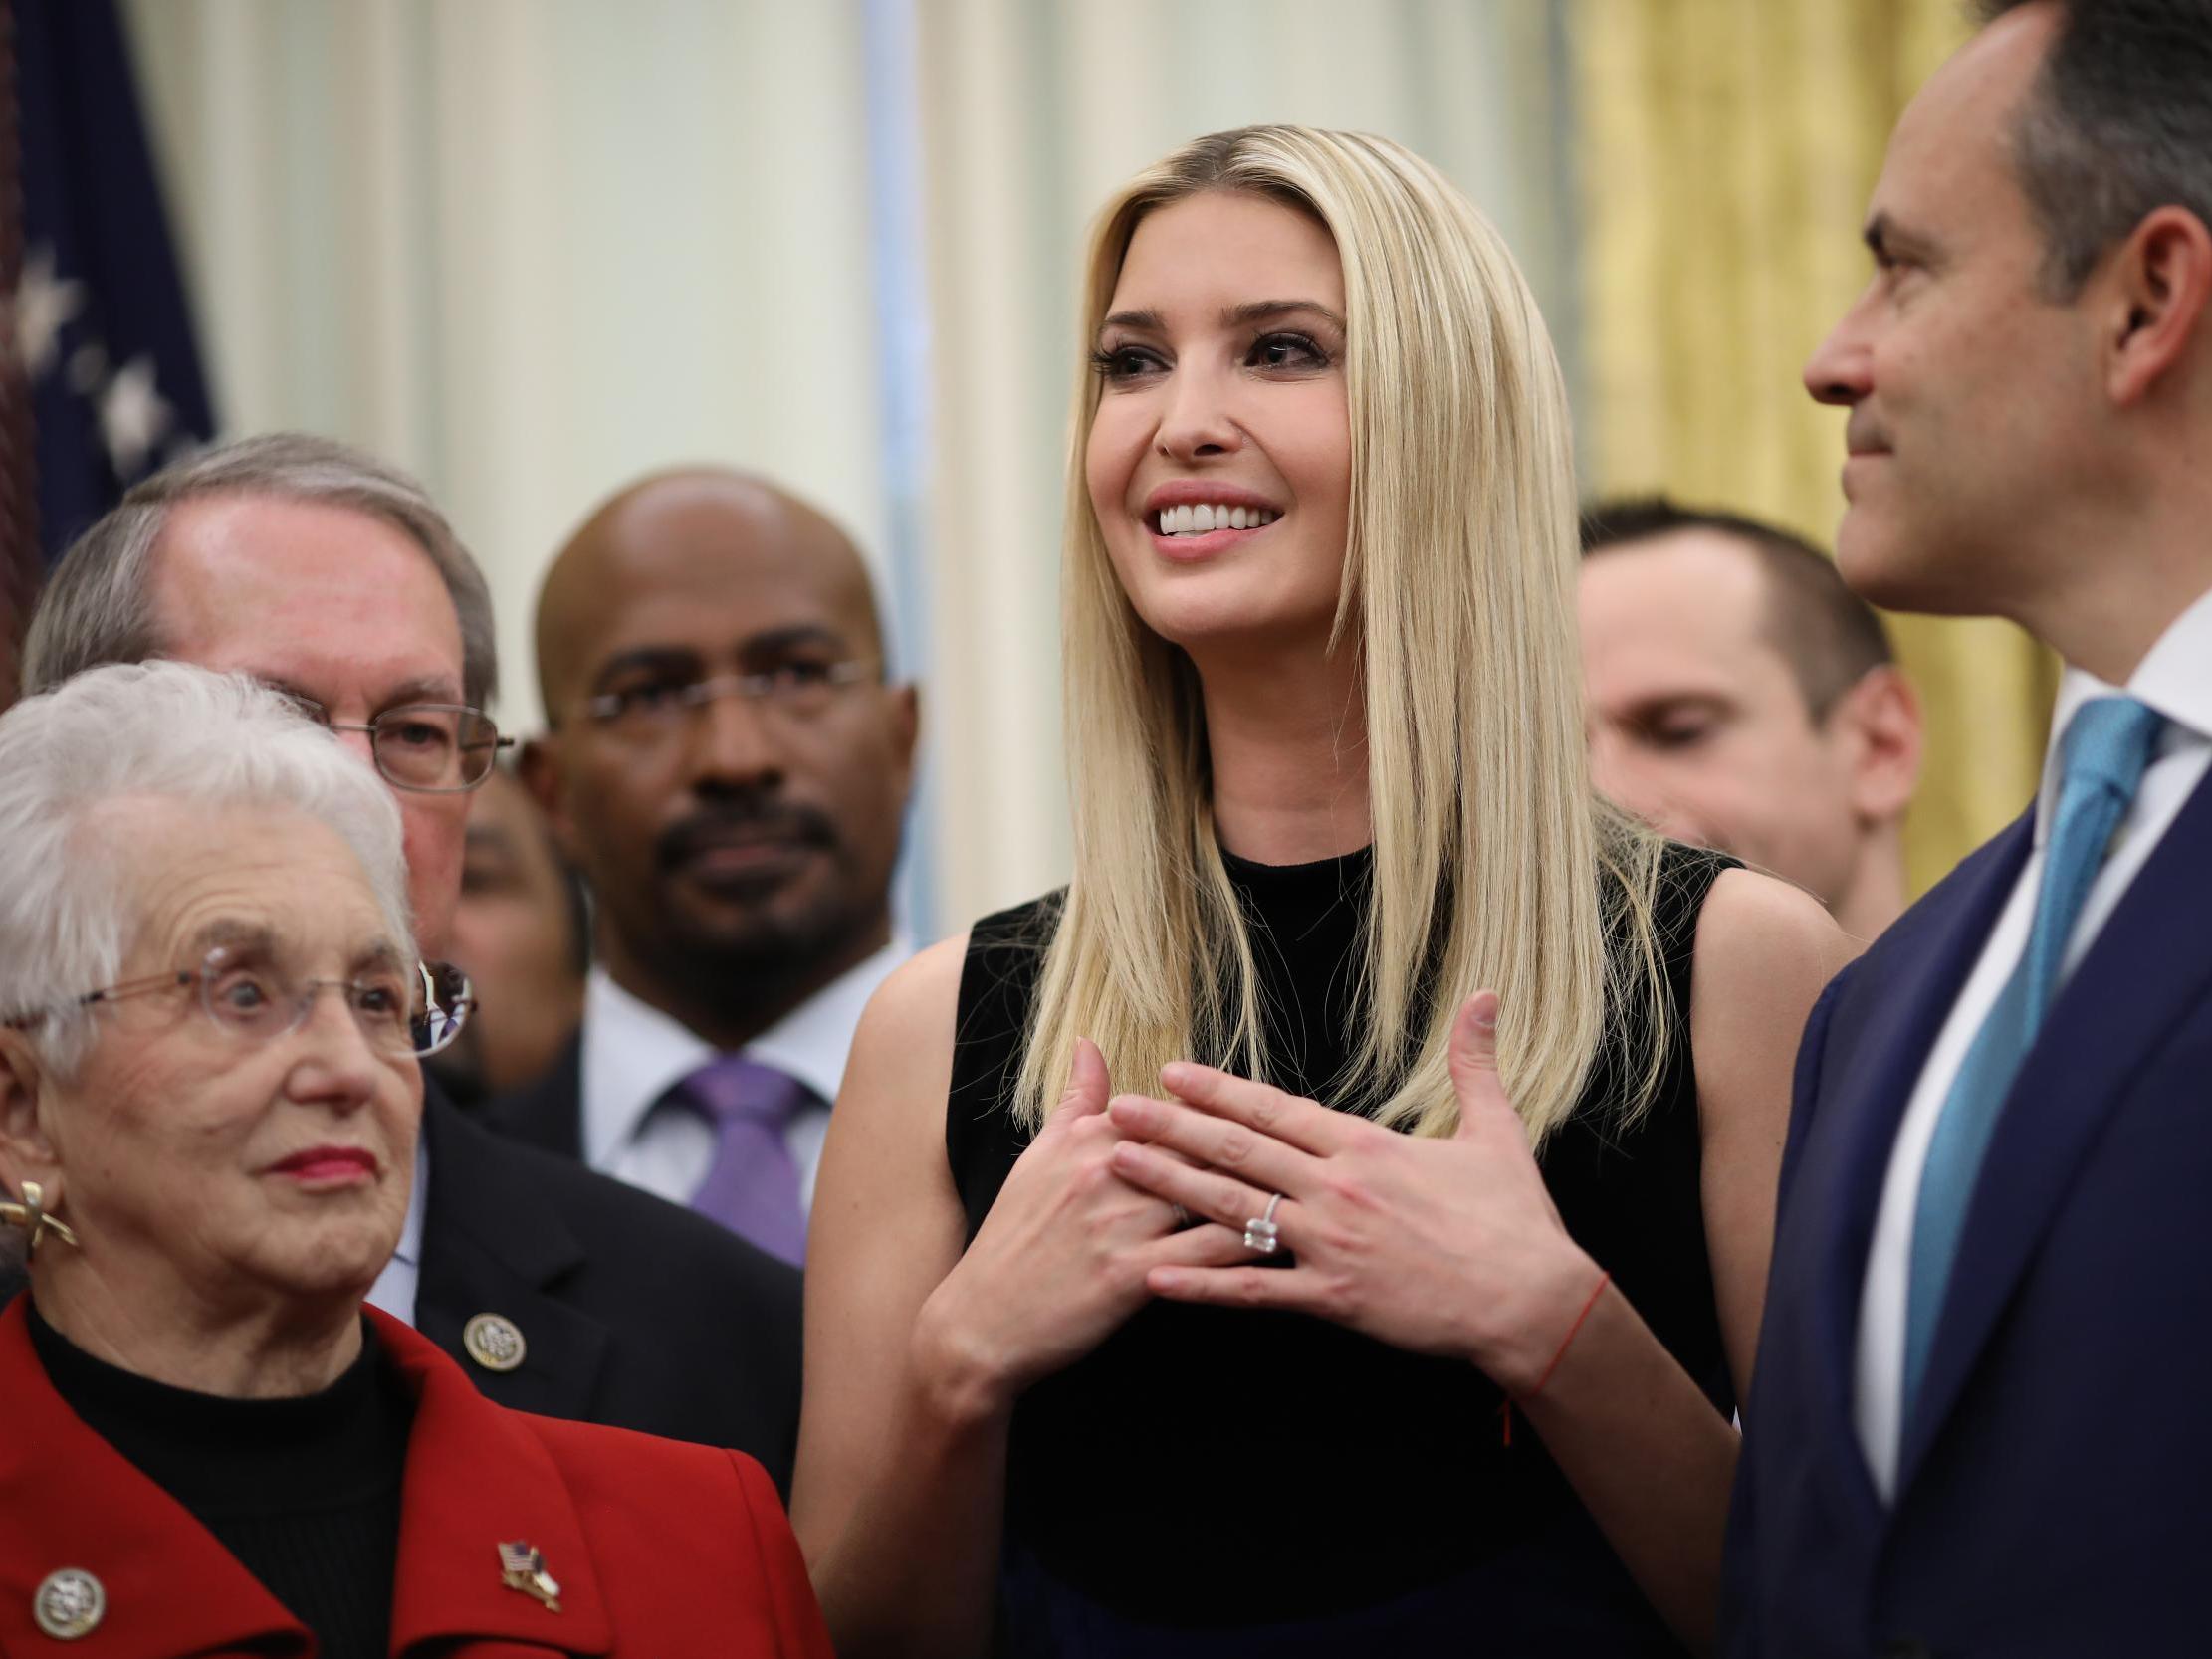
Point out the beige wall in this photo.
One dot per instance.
(1032, 113)
(531, 248)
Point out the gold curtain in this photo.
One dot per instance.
(1727, 148)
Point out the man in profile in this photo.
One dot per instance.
(323, 572)
(1741, 697)
(1977, 1421)
(728, 763)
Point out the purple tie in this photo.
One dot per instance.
(752, 1188)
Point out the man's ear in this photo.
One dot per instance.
(26, 1151)
(2157, 286)
(1880, 720)
(906, 731)
(539, 765)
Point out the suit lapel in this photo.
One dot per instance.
(69, 1501)
(478, 1477)
(2107, 1017)
(495, 1243)
(1876, 1045)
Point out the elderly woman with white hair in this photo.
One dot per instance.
(211, 1014)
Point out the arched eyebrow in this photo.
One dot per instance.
(379, 953)
(255, 939)
(1147, 322)
(1273, 311)
(230, 933)
(1233, 317)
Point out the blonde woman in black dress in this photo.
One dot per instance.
(1208, 1367)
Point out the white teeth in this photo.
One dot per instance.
(1198, 518)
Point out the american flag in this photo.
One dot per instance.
(102, 378)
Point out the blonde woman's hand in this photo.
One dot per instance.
(1441, 1246)
(1060, 1263)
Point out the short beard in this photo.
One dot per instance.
(767, 964)
(760, 960)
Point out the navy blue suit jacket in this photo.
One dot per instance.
(2055, 1483)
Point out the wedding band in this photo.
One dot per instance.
(1259, 1231)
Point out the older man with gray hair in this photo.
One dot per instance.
(327, 575)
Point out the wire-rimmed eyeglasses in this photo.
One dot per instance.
(401, 1009)
(434, 748)
(657, 704)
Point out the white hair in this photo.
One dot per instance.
(152, 730)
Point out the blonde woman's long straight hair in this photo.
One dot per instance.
(1494, 864)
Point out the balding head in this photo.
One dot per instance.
(726, 764)
(696, 530)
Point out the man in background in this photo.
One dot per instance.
(728, 764)
(322, 572)
(523, 934)
(1741, 697)
(1977, 1420)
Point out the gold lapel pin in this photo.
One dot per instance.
(495, 1342)
(523, 1569)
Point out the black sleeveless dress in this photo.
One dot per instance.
(1237, 1482)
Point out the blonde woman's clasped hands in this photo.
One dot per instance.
(1063, 1257)
(1444, 1246)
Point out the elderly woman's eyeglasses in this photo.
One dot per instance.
(434, 748)
(659, 705)
(415, 1011)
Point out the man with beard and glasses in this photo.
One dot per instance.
(728, 763)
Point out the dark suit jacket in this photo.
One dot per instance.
(659, 1549)
(635, 1312)
(547, 1112)
(2054, 1484)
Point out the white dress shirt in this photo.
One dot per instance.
(2175, 679)
(634, 1054)
(394, 1290)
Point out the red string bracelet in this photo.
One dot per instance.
(1505, 1406)
(1598, 1290)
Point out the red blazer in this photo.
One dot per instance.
(661, 1550)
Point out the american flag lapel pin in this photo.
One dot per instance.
(523, 1569)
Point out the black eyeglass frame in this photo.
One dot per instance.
(608, 710)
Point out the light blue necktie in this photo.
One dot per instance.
(2107, 744)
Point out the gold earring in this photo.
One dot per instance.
(30, 1216)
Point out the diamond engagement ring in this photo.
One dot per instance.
(1259, 1231)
